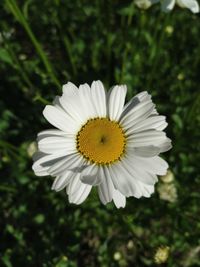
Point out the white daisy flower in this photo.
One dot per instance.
(102, 142)
(192, 5)
(143, 4)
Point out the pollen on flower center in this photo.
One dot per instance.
(101, 141)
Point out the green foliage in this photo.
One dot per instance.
(46, 43)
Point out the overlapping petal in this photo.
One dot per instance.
(57, 144)
(99, 98)
(77, 191)
(116, 102)
(60, 119)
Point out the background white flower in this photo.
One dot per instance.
(102, 142)
(143, 4)
(168, 192)
(168, 5)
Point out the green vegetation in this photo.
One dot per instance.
(44, 44)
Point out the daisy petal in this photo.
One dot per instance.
(69, 89)
(57, 144)
(74, 108)
(116, 101)
(43, 162)
(78, 191)
(90, 175)
(86, 99)
(143, 96)
(107, 192)
(99, 98)
(68, 162)
(122, 180)
(106, 188)
(153, 122)
(49, 133)
(62, 181)
(138, 113)
(146, 190)
(146, 138)
(37, 168)
(145, 151)
(119, 199)
(139, 174)
(56, 103)
(153, 165)
(60, 119)
(167, 145)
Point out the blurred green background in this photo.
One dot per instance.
(44, 44)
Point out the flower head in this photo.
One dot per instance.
(168, 192)
(168, 177)
(102, 142)
(31, 149)
(161, 254)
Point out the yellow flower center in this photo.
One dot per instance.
(101, 141)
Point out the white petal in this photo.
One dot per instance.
(144, 182)
(69, 162)
(62, 181)
(78, 191)
(139, 173)
(167, 5)
(37, 168)
(107, 192)
(136, 114)
(141, 97)
(130, 105)
(146, 190)
(190, 4)
(43, 162)
(70, 102)
(144, 96)
(122, 180)
(86, 100)
(50, 132)
(146, 138)
(99, 98)
(74, 108)
(57, 144)
(74, 185)
(106, 188)
(154, 165)
(57, 104)
(60, 119)
(167, 145)
(153, 122)
(136, 187)
(40, 171)
(90, 175)
(145, 151)
(119, 199)
(116, 101)
(69, 89)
